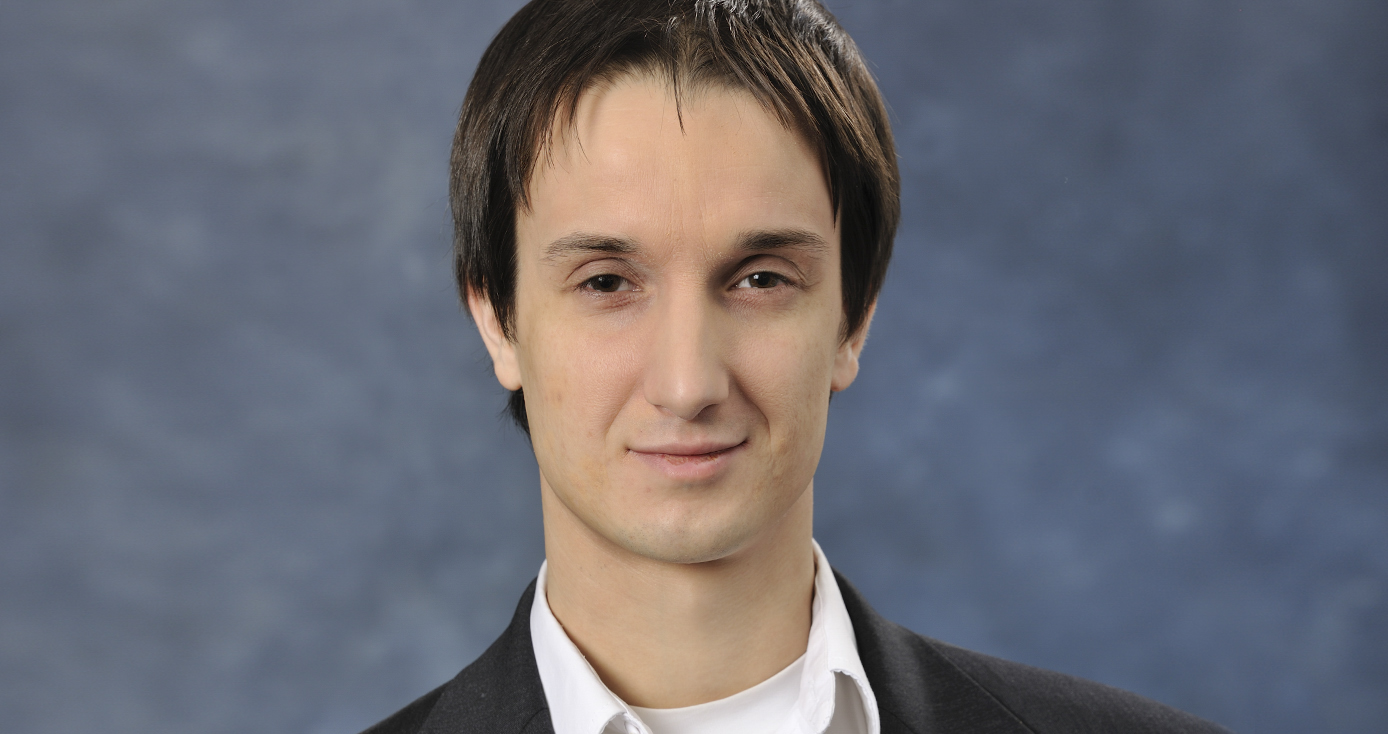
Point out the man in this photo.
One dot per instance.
(672, 221)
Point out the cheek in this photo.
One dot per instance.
(575, 382)
(786, 374)
(564, 401)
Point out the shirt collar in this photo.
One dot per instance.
(579, 702)
(832, 651)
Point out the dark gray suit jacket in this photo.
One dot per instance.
(922, 686)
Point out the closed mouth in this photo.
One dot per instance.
(682, 458)
(687, 454)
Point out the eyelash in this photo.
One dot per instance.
(777, 279)
(591, 286)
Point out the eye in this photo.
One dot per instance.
(607, 283)
(761, 280)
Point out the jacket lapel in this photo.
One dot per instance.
(500, 693)
(918, 690)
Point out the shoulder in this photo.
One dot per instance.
(1047, 701)
(924, 685)
(410, 719)
(499, 693)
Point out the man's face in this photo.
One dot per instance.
(678, 315)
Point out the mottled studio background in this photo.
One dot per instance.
(1124, 411)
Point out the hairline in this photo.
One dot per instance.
(684, 86)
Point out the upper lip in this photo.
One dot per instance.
(687, 448)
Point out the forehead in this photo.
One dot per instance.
(635, 162)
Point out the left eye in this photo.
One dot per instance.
(760, 280)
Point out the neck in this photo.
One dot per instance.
(668, 635)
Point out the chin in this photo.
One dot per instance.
(696, 535)
(684, 547)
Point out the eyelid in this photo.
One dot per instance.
(776, 264)
(584, 285)
(785, 279)
(615, 266)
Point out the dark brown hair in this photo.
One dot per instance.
(791, 55)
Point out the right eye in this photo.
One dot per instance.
(607, 283)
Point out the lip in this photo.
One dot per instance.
(689, 462)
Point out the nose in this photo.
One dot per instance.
(685, 373)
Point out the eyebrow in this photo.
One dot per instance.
(754, 241)
(580, 242)
(776, 239)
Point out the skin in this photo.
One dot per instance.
(677, 335)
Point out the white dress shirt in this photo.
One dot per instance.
(825, 691)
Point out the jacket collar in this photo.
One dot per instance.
(501, 691)
(918, 689)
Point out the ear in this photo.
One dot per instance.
(846, 359)
(503, 350)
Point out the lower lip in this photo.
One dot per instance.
(690, 468)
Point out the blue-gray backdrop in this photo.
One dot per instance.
(1124, 411)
